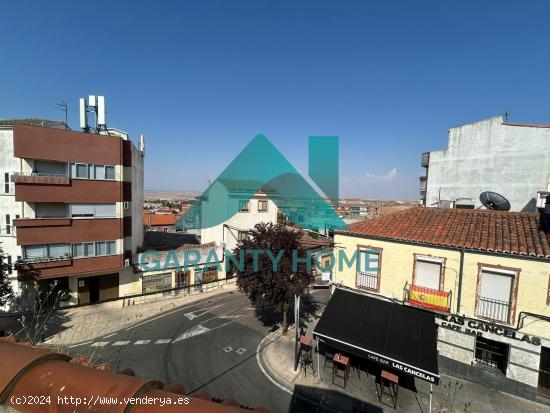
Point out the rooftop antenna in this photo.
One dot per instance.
(506, 114)
(63, 106)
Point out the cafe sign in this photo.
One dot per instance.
(405, 368)
(477, 328)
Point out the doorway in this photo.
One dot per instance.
(544, 372)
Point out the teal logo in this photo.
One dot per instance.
(260, 167)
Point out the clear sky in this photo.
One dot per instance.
(202, 78)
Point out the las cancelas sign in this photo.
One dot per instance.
(478, 327)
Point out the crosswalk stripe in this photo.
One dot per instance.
(163, 341)
(120, 343)
(100, 344)
(142, 342)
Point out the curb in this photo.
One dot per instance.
(284, 384)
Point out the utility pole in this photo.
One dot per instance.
(65, 108)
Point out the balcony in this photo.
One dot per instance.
(51, 267)
(35, 231)
(494, 310)
(367, 280)
(427, 297)
(423, 183)
(75, 191)
(425, 160)
(40, 178)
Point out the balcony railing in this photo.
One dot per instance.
(40, 178)
(36, 260)
(367, 280)
(427, 297)
(493, 309)
(423, 183)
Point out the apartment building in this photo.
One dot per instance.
(511, 159)
(485, 275)
(72, 207)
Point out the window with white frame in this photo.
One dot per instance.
(427, 272)
(92, 171)
(93, 210)
(94, 249)
(368, 269)
(46, 251)
(494, 300)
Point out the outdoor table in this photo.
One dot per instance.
(393, 383)
(305, 341)
(338, 362)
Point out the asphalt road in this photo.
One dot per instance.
(210, 344)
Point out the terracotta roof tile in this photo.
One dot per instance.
(516, 233)
(159, 219)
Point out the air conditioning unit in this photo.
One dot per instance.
(126, 262)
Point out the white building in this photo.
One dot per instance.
(490, 155)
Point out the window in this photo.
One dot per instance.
(8, 224)
(244, 206)
(59, 250)
(10, 268)
(81, 171)
(156, 282)
(111, 247)
(262, 205)
(94, 249)
(494, 294)
(99, 171)
(209, 274)
(368, 269)
(198, 280)
(101, 248)
(491, 353)
(93, 210)
(7, 183)
(78, 250)
(428, 272)
(31, 252)
(36, 252)
(89, 250)
(109, 172)
(242, 235)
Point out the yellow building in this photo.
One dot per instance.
(484, 273)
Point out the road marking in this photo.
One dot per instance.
(163, 341)
(227, 349)
(120, 343)
(192, 332)
(202, 311)
(230, 316)
(81, 344)
(173, 311)
(110, 335)
(138, 342)
(100, 344)
(240, 351)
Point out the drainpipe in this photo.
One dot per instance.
(460, 275)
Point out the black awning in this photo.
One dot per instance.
(391, 334)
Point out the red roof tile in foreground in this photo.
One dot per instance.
(515, 233)
(28, 371)
(159, 219)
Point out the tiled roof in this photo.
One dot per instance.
(161, 240)
(516, 233)
(159, 219)
(35, 122)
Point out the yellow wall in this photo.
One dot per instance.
(397, 268)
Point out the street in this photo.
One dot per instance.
(210, 344)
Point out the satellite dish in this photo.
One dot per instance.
(494, 201)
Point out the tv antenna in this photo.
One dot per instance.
(65, 108)
(494, 201)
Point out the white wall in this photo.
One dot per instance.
(8, 206)
(489, 156)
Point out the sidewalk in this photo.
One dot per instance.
(277, 359)
(90, 322)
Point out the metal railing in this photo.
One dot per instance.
(492, 309)
(367, 280)
(35, 260)
(427, 297)
(46, 174)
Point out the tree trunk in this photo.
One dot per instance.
(285, 321)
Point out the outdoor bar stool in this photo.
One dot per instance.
(328, 359)
(306, 359)
(393, 384)
(340, 362)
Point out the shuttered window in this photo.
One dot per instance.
(93, 210)
(495, 293)
(368, 271)
(427, 274)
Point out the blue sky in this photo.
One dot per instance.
(200, 79)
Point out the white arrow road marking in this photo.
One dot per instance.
(163, 341)
(227, 349)
(100, 344)
(202, 311)
(120, 343)
(240, 351)
(192, 332)
(142, 342)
